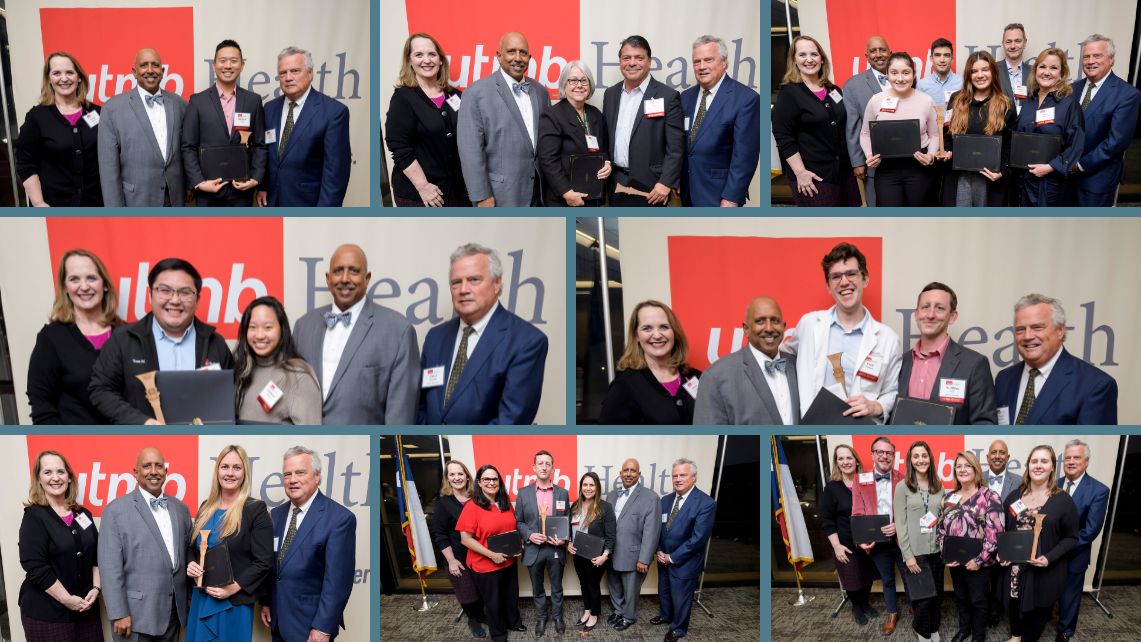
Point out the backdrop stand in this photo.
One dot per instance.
(1104, 553)
(722, 439)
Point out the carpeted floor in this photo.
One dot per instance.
(735, 611)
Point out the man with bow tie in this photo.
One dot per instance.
(365, 356)
(1004, 482)
(872, 494)
(635, 541)
(142, 557)
(754, 385)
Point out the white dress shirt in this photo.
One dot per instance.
(621, 503)
(708, 99)
(1039, 381)
(157, 115)
(300, 516)
(628, 108)
(333, 347)
(161, 516)
(478, 327)
(1096, 87)
(778, 385)
(1074, 488)
(296, 111)
(523, 102)
(883, 495)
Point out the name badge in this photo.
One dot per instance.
(665, 516)
(953, 390)
(687, 123)
(927, 523)
(1004, 416)
(947, 95)
(211, 366)
(691, 387)
(91, 118)
(433, 377)
(242, 119)
(835, 96)
(867, 478)
(654, 107)
(454, 102)
(83, 520)
(592, 143)
(953, 499)
(1019, 91)
(270, 136)
(269, 396)
(873, 364)
(561, 504)
(1044, 116)
(889, 104)
(1017, 507)
(946, 115)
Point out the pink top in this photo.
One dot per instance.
(925, 370)
(72, 119)
(438, 100)
(97, 340)
(916, 106)
(229, 104)
(673, 386)
(545, 498)
(821, 93)
(68, 518)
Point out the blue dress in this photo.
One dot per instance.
(217, 620)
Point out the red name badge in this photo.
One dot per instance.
(654, 107)
(889, 104)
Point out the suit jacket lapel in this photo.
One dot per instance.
(140, 110)
(173, 125)
(760, 382)
(1060, 378)
(315, 514)
(216, 109)
(712, 112)
(906, 364)
(651, 92)
(505, 93)
(356, 338)
(793, 391)
(946, 369)
(301, 121)
(147, 515)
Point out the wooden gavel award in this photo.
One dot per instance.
(148, 379)
(203, 544)
(1038, 519)
(543, 520)
(838, 371)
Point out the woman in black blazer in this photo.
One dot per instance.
(454, 495)
(1032, 589)
(569, 128)
(589, 513)
(58, 544)
(56, 153)
(244, 525)
(654, 384)
(82, 318)
(420, 130)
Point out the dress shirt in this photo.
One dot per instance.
(523, 102)
(478, 328)
(999, 479)
(630, 105)
(545, 498)
(884, 495)
(708, 100)
(300, 516)
(778, 385)
(621, 503)
(333, 347)
(680, 502)
(157, 115)
(229, 104)
(1077, 481)
(881, 79)
(174, 353)
(161, 515)
(848, 343)
(937, 88)
(296, 111)
(925, 369)
(1096, 87)
(1039, 381)
(1015, 73)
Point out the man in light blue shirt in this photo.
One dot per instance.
(942, 81)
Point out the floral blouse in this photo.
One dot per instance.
(979, 517)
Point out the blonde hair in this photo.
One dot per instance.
(1052, 482)
(446, 489)
(974, 462)
(792, 74)
(62, 308)
(1063, 88)
(407, 77)
(836, 474)
(632, 356)
(47, 92)
(36, 495)
(232, 522)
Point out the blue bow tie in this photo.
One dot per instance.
(624, 492)
(993, 479)
(776, 365)
(153, 100)
(331, 318)
(521, 87)
(883, 477)
(158, 503)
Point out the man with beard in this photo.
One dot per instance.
(858, 90)
(635, 541)
(754, 385)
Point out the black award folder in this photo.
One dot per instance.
(828, 410)
(587, 545)
(866, 529)
(558, 527)
(920, 586)
(1028, 148)
(229, 162)
(188, 396)
(509, 543)
(920, 412)
(584, 174)
(961, 549)
(217, 571)
(1014, 546)
(895, 138)
(973, 153)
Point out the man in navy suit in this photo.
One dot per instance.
(308, 141)
(314, 544)
(1049, 385)
(722, 131)
(1091, 497)
(495, 375)
(687, 523)
(1110, 108)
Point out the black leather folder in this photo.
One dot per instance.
(584, 174)
(828, 410)
(961, 549)
(509, 543)
(895, 138)
(228, 162)
(558, 527)
(973, 153)
(920, 412)
(217, 572)
(1028, 148)
(1014, 546)
(866, 529)
(187, 395)
(920, 586)
(587, 545)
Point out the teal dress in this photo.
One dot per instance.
(217, 620)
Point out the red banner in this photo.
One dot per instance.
(514, 457)
(910, 27)
(943, 449)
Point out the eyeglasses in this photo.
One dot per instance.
(581, 82)
(489, 480)
(163, 292)
(883, 453)
(836, 277)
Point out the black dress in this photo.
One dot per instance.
(64, 156)
(58, 375)
(637, 397)
(803, 124)
(836, 518)
(417, 130)
(996, 191)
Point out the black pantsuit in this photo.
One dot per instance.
(415, 130)
(500, 593)
(971, 599)
(589, 575)
(445, 514)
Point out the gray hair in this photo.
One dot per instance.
(575, 64)
(1097, 37)
(1056, 311)
(302, 450)
(1077, 442)
(293, 51)
(721, 47)
(471, 249)
(682, 462)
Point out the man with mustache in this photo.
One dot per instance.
(140, 139)
(1051, 386)
(168, 338)
(858, 90)
(754, 385)
(365, 356)
(142, 557)
(497, 129)
(635, 542)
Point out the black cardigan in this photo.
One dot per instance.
(64, 156)
(1042, 587)
(561, 135)
(606, 528)
(836, 513)
(416, 130)
(804, 124)
(976, 125)
(59, 373)
(637, 397)
(445, 514)
(251, 553)
(50, 550)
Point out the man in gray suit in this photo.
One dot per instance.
(498, 128)
(543, 552)
(858, 90)
(1014, 73)
(635, 541)
(142, 557)
(365, 356)
(754, 385)
(140, 140)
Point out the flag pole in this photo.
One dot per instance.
(425, 603)
(801, 598)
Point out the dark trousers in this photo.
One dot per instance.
(590, 578)
(500, 593)
(902, 182)
(228, 196)
(550, 561)
(928, 611)
(675, 599)
(971, 599)
(887, 558)
(620, 175)
(1070, 602)
(860, 598)
(1028, 625)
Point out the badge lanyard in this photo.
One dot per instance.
(584, 120)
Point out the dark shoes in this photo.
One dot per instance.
(1062, 637)
(476, 629)
(859, 615)
(656, 620)
(871, 612)
(672, 637)
(613, 618)
(962, 636)
(560, 627)
(889, 625)
(540, 628)
(520, 627)
(622, 624)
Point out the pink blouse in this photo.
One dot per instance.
(916, 106)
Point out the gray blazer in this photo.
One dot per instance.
(378, 379)
(858, 90)
(1004, 79)
(734, 392)
(136, 570)
(1011, 482)
(527, 518)
(132, 171)
(496, 153)
(636, 539)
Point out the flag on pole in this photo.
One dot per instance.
(412, 521)
(787, 512)
(774, 157)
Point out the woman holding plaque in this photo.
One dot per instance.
(1033, 588)
(654, 384)
(594, 517)
(58, 543)
(972, 511)
(980, 108)
(902, 181)
(232, 518)
(81, 321)
(455, 494)
(496, 579)
(570, 128)
(1051, 108)
(917, 504)
(272, 383)
(853, 565)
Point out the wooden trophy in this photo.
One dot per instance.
(203, 544)
(148, 379)
(543, 520)
(1038, 519)
(838, 371)
(941, 118)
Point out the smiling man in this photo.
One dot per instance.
(686, 525)
(167, 338)
(858, 90)
(635, 542)
(543, 555)
(1014, 73)
(140, 138)
(942, 81)
(365, 356)
(1091, 497)
(754, 385)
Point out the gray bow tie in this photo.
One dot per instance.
(158, 503)
(521, 87)
(331, 318)
(775, 365)
(153, 100)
